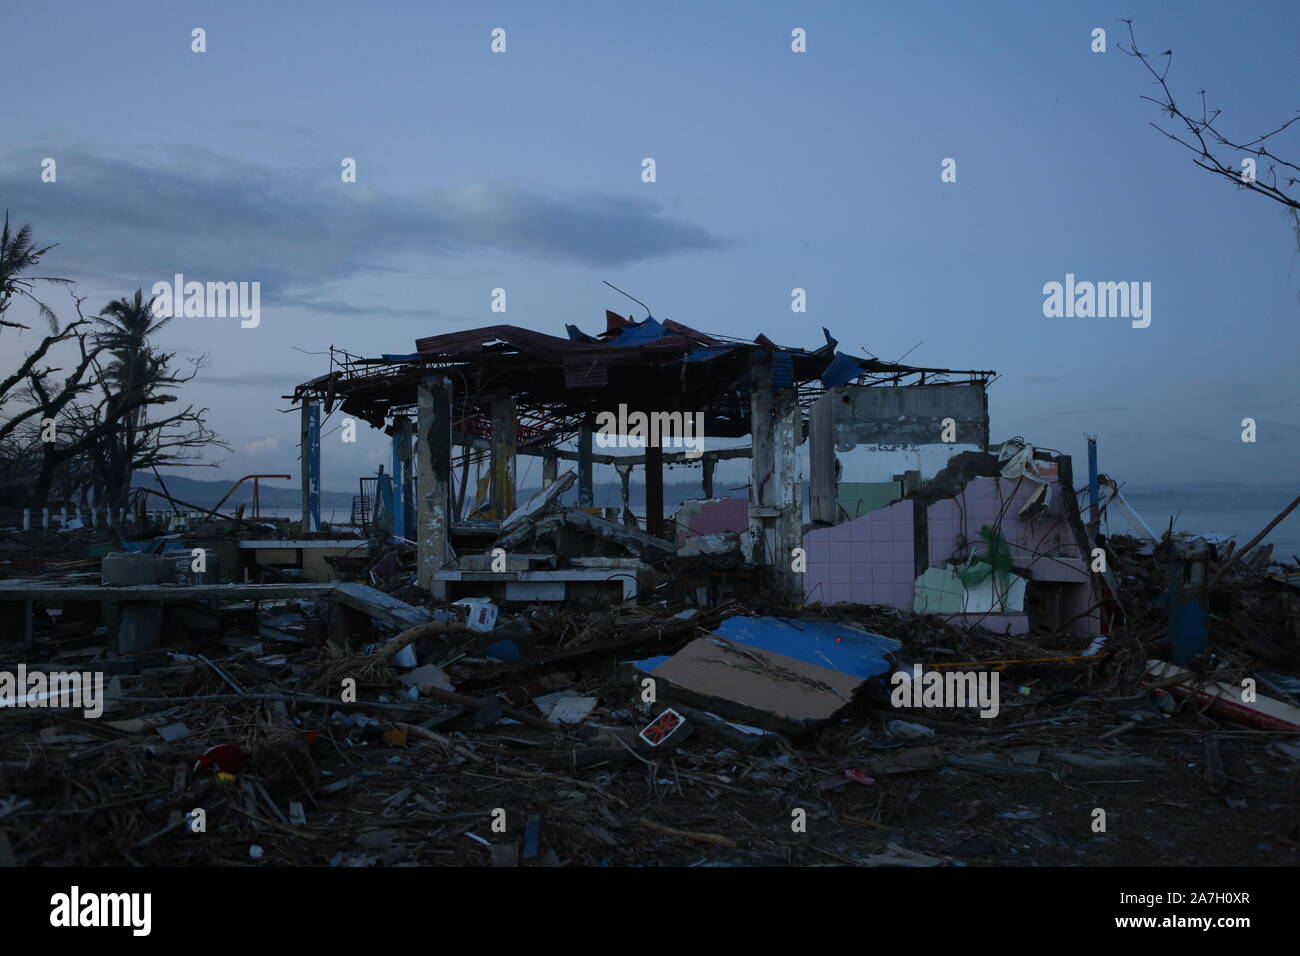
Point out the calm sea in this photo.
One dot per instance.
(1244, 517)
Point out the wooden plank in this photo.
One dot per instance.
(381, 606)
(27, 590)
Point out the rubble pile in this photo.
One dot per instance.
(660, 734)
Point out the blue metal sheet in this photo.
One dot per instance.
(842, 370)
(648, 331)
(783, 370)
(823, 643)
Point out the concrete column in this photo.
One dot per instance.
(433, 466)
(310, 457)
(401, 474)
(505, 446)
(585, 488)
(708, 464)
(27, 519)
(775, 505)
(654, 489)
(625, 479)
(823, 484)
(45, 518)
(550, 469)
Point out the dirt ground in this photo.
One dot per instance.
(1009, 796)
(1083, 766)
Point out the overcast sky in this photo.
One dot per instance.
(819, 170)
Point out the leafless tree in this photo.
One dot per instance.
(113, 405)
(1219, 151)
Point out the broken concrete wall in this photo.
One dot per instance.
(873, 559)
(698, 517)
(850, 425)
(908, 415)
(1043, 545)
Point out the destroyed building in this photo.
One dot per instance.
(503, 391)
(345, 694)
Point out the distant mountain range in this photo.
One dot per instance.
(205, 493)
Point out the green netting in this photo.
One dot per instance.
(996, 560)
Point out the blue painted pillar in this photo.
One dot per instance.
(1188, 632)
(585, 490)
(401, 475)
(1094, 495)
(310, 450)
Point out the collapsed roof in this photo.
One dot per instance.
(559, 382)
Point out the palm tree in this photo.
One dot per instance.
(128, 323)
(18, 253)
(136, 369)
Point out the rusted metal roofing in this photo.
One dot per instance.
(668, 364)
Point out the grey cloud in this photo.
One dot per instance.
(356, 310)
(216, 219)
(277, 379)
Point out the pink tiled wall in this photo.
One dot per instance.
(1044, 546)
(864, 561)
(869, 560)
(726, 514)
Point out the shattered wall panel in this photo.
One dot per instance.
(908, 415)
(1043, 545)
(712, 516)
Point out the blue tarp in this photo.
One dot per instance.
(823, 643)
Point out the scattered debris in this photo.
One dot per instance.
(559, 684)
